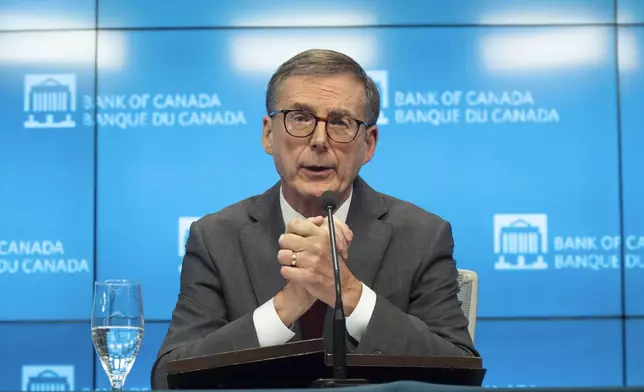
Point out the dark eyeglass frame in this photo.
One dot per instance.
(285, 112)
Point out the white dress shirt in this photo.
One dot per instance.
(270, 328)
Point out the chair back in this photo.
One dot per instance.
(468, 295)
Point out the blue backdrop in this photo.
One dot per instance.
(123, 121)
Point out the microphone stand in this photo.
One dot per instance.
(339, 323)
(339, 320)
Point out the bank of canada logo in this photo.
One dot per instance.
(50, 100)
(520, 241)
(48, 378)
(381, 79)
(184, 232)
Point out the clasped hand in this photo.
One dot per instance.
(312, 276)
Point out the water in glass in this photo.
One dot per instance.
(117, 327)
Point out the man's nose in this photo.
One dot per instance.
(319, 138)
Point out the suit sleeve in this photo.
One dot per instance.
(199, 324)
(434, 323)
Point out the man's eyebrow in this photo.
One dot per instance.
(330, 112)
(302, 106)
(340, 112)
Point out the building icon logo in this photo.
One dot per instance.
(50, 100)
(520, 241)
(381, 79)
(184, 232)
(47, 378)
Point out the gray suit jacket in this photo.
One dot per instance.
(399, 250)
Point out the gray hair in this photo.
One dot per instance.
(324, 62)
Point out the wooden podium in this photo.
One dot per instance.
(300, 364)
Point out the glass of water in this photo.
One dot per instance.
(117, 327)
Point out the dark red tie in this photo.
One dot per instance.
(312, 321)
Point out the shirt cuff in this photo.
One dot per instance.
(359, 319)
(270, 329)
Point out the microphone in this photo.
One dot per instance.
(329, 201)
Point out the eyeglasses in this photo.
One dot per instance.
(300, 123)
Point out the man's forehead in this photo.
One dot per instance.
(341, 83)
(329, 93)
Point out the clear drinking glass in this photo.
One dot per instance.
(117, 327)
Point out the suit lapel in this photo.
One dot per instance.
(370, 239)
(259, 244)
(370, 234)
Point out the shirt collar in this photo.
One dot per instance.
(289, 213)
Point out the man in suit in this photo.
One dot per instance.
(259, 273)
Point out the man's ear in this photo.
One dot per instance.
(371, 139)
(267, 135)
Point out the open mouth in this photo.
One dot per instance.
(318, 169)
